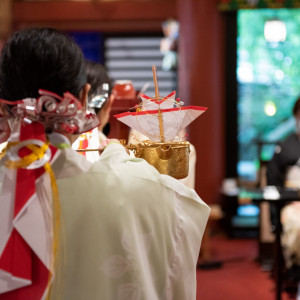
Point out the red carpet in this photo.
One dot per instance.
(241, 279)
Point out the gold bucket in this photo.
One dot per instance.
(170, 158)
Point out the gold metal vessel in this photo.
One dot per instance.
(170, 158)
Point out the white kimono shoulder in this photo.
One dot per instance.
(128, 232)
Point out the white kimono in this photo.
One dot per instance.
(92, 139)
(127, 231)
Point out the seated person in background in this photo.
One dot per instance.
(120, 229)
(286, 156)
(284, 171)
(100, 101)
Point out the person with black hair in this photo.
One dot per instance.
(287, 155)
(100, 94)
(283, 171)
(40, 65)
(100, 100)
(70, 229)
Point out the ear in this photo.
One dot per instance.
(111, 98)
(108, 104)
(83, 95)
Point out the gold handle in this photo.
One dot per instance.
(131, 147)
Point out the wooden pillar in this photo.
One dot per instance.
(201, 82)
(5, 20)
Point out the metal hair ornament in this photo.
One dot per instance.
(64, 114)
(99, 98)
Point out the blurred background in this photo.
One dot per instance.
(241, 59)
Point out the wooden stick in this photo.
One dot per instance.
(155, 82)
(161, 129)
(89, 150)
(129, 147)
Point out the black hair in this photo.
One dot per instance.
(296, 107)
(40, 58)
(96, 76)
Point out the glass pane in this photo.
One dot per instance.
(268, 74)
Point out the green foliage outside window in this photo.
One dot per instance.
(268, 74)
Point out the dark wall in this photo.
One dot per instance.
(231, 96)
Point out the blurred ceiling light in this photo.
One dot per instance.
(270, 108)
(275, 31)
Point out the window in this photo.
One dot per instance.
(268, 75)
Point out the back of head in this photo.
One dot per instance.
(40, 58)
(296, 107)
(101, 85)
(96, 76)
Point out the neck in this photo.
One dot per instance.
(72, 137)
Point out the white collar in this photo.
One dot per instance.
(57, 139)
